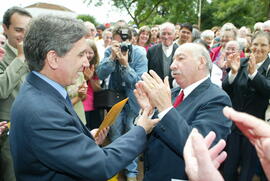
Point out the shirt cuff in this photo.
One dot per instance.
(251, 76)
(163, 113)
(231, 77)
(140, 114)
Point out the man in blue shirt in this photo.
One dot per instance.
(48, 140)
(125, 63)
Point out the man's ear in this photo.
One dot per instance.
(5, 28)
(52, 59)
(202, 63)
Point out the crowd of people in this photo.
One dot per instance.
(180, 82)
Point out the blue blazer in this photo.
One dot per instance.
(202, 109)
(49, 142)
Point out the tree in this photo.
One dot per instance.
(214, 12)
(238, 12)
(86, 17)
(155, 11)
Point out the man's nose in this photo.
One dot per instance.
(85, 61)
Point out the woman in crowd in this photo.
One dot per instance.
(248, 85)
(144, 37)
(93, 116)
(77, 94)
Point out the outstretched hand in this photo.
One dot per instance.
(202, 162)
(147, 123)
(258, 133)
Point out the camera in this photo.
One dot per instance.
(124, 34)
(125, 47)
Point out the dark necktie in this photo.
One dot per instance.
(69, 101)
(179, 99)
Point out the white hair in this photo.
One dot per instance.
(258, 26)
(266, 24)
(228, 27)
(207, 34)
(167, 25)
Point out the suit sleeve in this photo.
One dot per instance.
(57, 143)
(10, 76)
(262, 84)
(174, 130)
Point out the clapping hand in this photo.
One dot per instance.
(201, 160)
(251, 64)
(89, 72)
(233, 62)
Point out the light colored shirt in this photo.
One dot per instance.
(54, 84)
(187, 91)
(167, 50)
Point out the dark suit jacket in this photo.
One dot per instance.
(49, 142)
(248, 95)
(155, 60)
(202, 109)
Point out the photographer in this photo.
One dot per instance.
(125, 63)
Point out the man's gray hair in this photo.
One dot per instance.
(205, 53)
(167, 25)
(236, 42)
(201, 51)
(50, 32)
(197, 50)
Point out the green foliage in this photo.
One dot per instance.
(238, 12)
(85, 17)
(214, 13)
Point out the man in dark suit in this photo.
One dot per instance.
(160, 56)
(48, 140)
(13, 70)
(201, 108)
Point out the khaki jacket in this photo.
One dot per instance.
(12, 75)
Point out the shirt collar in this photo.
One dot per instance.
(167, 50)
(12, 48)
(191, 87)
(259, 64)
(54, 84)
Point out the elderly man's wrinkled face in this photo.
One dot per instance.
(167, 36)
(108, 38)
(231, 48)
(226, 37)
(260, 47)
(184, 66)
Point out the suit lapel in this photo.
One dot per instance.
(264, 67)
(195, 93)
(51, 91)
(160, 58)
